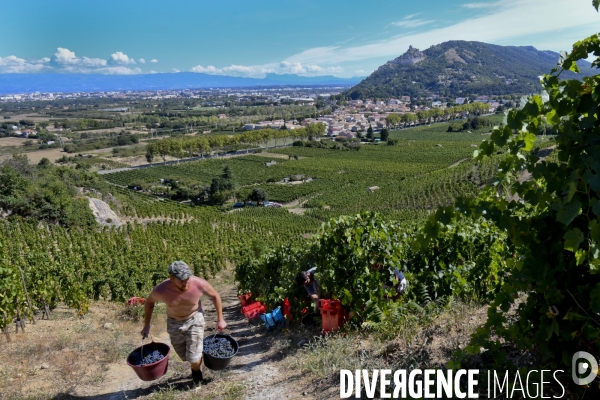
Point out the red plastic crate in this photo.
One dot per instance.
(287, 308)
(332, 315)
(245, 299)
(253, 310)
(136, 301)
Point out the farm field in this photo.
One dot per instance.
(412, 177)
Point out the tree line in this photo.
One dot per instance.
(200, 146)
(394, 120)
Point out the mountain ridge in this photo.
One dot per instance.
(461, 68)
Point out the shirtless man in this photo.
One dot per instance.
(185, 319)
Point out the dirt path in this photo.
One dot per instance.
(457, 163)
(296, 206)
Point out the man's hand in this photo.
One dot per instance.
(146, 331)
(221, 324)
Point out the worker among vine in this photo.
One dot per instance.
(310, 284)
(185, 318)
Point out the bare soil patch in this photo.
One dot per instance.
(35, 156)
(36, 118)
(12, 141)
(272, 155)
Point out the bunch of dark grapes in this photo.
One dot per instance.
(151, 358)
(218, 347)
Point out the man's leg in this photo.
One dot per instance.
(178, 339)
(195, 345)
(196, 365)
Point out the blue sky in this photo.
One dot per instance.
(254, 37)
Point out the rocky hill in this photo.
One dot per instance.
(460, 68)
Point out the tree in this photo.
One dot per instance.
(370, 132)
(44, 163)
(316, 130)
(12, 187)
(258, 195)
(227, 174)
(150, 153)
(392, 120)
(384, 135)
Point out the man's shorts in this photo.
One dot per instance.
(187, 337)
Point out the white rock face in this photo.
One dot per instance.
(103, 214)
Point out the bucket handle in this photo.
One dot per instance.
(215, 334)
(142, 348)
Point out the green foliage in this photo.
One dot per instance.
(472, 123)
(467, 261)
(258, 195)
(384, 135)
(46, 193)
(356, 256)
(554, 231)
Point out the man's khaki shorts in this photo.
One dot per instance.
(187, 337)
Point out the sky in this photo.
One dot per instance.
(251, 38)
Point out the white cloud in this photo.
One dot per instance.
(254, 71)
(66, 61)
(142, 61)
(176, 70)
(121, 71)
(65, 56)
(13, 64)
(259, 71)
(409, 22)
(512, 20)
(154, 60)
(120, 58)
(481, 5)
(292, 68)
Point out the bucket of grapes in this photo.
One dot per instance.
(150, 361)
(218, 351)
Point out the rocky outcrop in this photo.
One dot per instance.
(103, 213)
(412, 56)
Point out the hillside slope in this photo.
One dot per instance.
(461, 68)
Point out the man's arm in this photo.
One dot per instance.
(148, 309)
(315, 299)
(216, 298)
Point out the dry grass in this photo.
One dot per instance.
(428, 345)
(35, 156)
(55, 356)
(12, 141)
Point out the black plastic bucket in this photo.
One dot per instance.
(218, 363)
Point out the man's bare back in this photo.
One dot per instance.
(182, 303)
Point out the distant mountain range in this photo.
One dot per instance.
(459, 69)
(66, 83)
